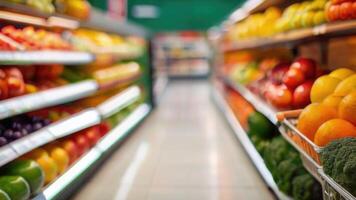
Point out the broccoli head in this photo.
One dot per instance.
(339, 162)
(305, 187)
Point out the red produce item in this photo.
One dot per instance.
(93, 135)
(71, 148)
(306, 65)
(81, 142)
(4, 91)
(293, 78)
(301, 94)
(279, 96)
(346, 10)
(277, 73)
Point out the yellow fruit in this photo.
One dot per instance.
(346, 86)
(60, 156)
(307, 19)
(341, 73)
(49, 168)
(347, 108)
(313, 116)
(332, 130)
(323, 87)
(319, 18)
(332, 101)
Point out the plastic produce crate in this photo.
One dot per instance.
(332, 190)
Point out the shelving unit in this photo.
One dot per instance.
(256, 101)
(70, 125)
(95, 155)
(45, 57)
(26, 103)
(294, 37)
(247, 144)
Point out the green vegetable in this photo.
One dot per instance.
(305, 187)
(339, 162)
(286, 171)
(260, 125)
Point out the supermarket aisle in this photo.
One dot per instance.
(183, 151)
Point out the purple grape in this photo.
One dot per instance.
(8, 134)
(16, 126)
(28, 128)
(24, 132)
(46, 122)
(3, 141)
(17, 135)
(35, 119)
(37, 126)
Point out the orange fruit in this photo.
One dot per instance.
(60, 156)
(313, 116)
(346, 86)
(347, 108)
(36, 153)
(332, 101)
(323, 87)
(332, 130)
(341, 73)
(49, 168)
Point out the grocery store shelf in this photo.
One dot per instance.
(247, 144)
(45, 57)
(50, 97)
(328, 30)
(119, 101)
(98, 20)
(69, 125)
(57, 188)
(257, 102)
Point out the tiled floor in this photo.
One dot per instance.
(184, 150)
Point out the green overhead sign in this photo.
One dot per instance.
(172, 15)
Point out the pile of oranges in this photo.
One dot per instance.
(331, 115)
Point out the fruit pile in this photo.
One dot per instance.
(331, 114)
(20, 126)
(341, 10)
(300, 15)
(17, 81)
(288, 85)
(76, 8)
(31, 39)
(26, 176)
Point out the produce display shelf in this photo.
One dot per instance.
(67, 126)
(256, 101)
(45, 57)
(26, 103)
(98, 20)
(97, 154)
(328, 30)
(247, 144)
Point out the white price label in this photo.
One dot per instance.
(6, 154)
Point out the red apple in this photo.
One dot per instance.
(301, 95)
(293, 78)
(346, 10)
(277, 73)
(279, 96)
(306, 65)
(104, 128)
(71, 148)
(92, 134)
(82, 143)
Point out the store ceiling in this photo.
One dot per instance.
(172, 15)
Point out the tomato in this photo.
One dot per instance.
(4, 91)
(293, 78)
(354, 10)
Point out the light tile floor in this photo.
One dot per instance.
(184, 150)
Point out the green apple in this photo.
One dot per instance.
(15, 186)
